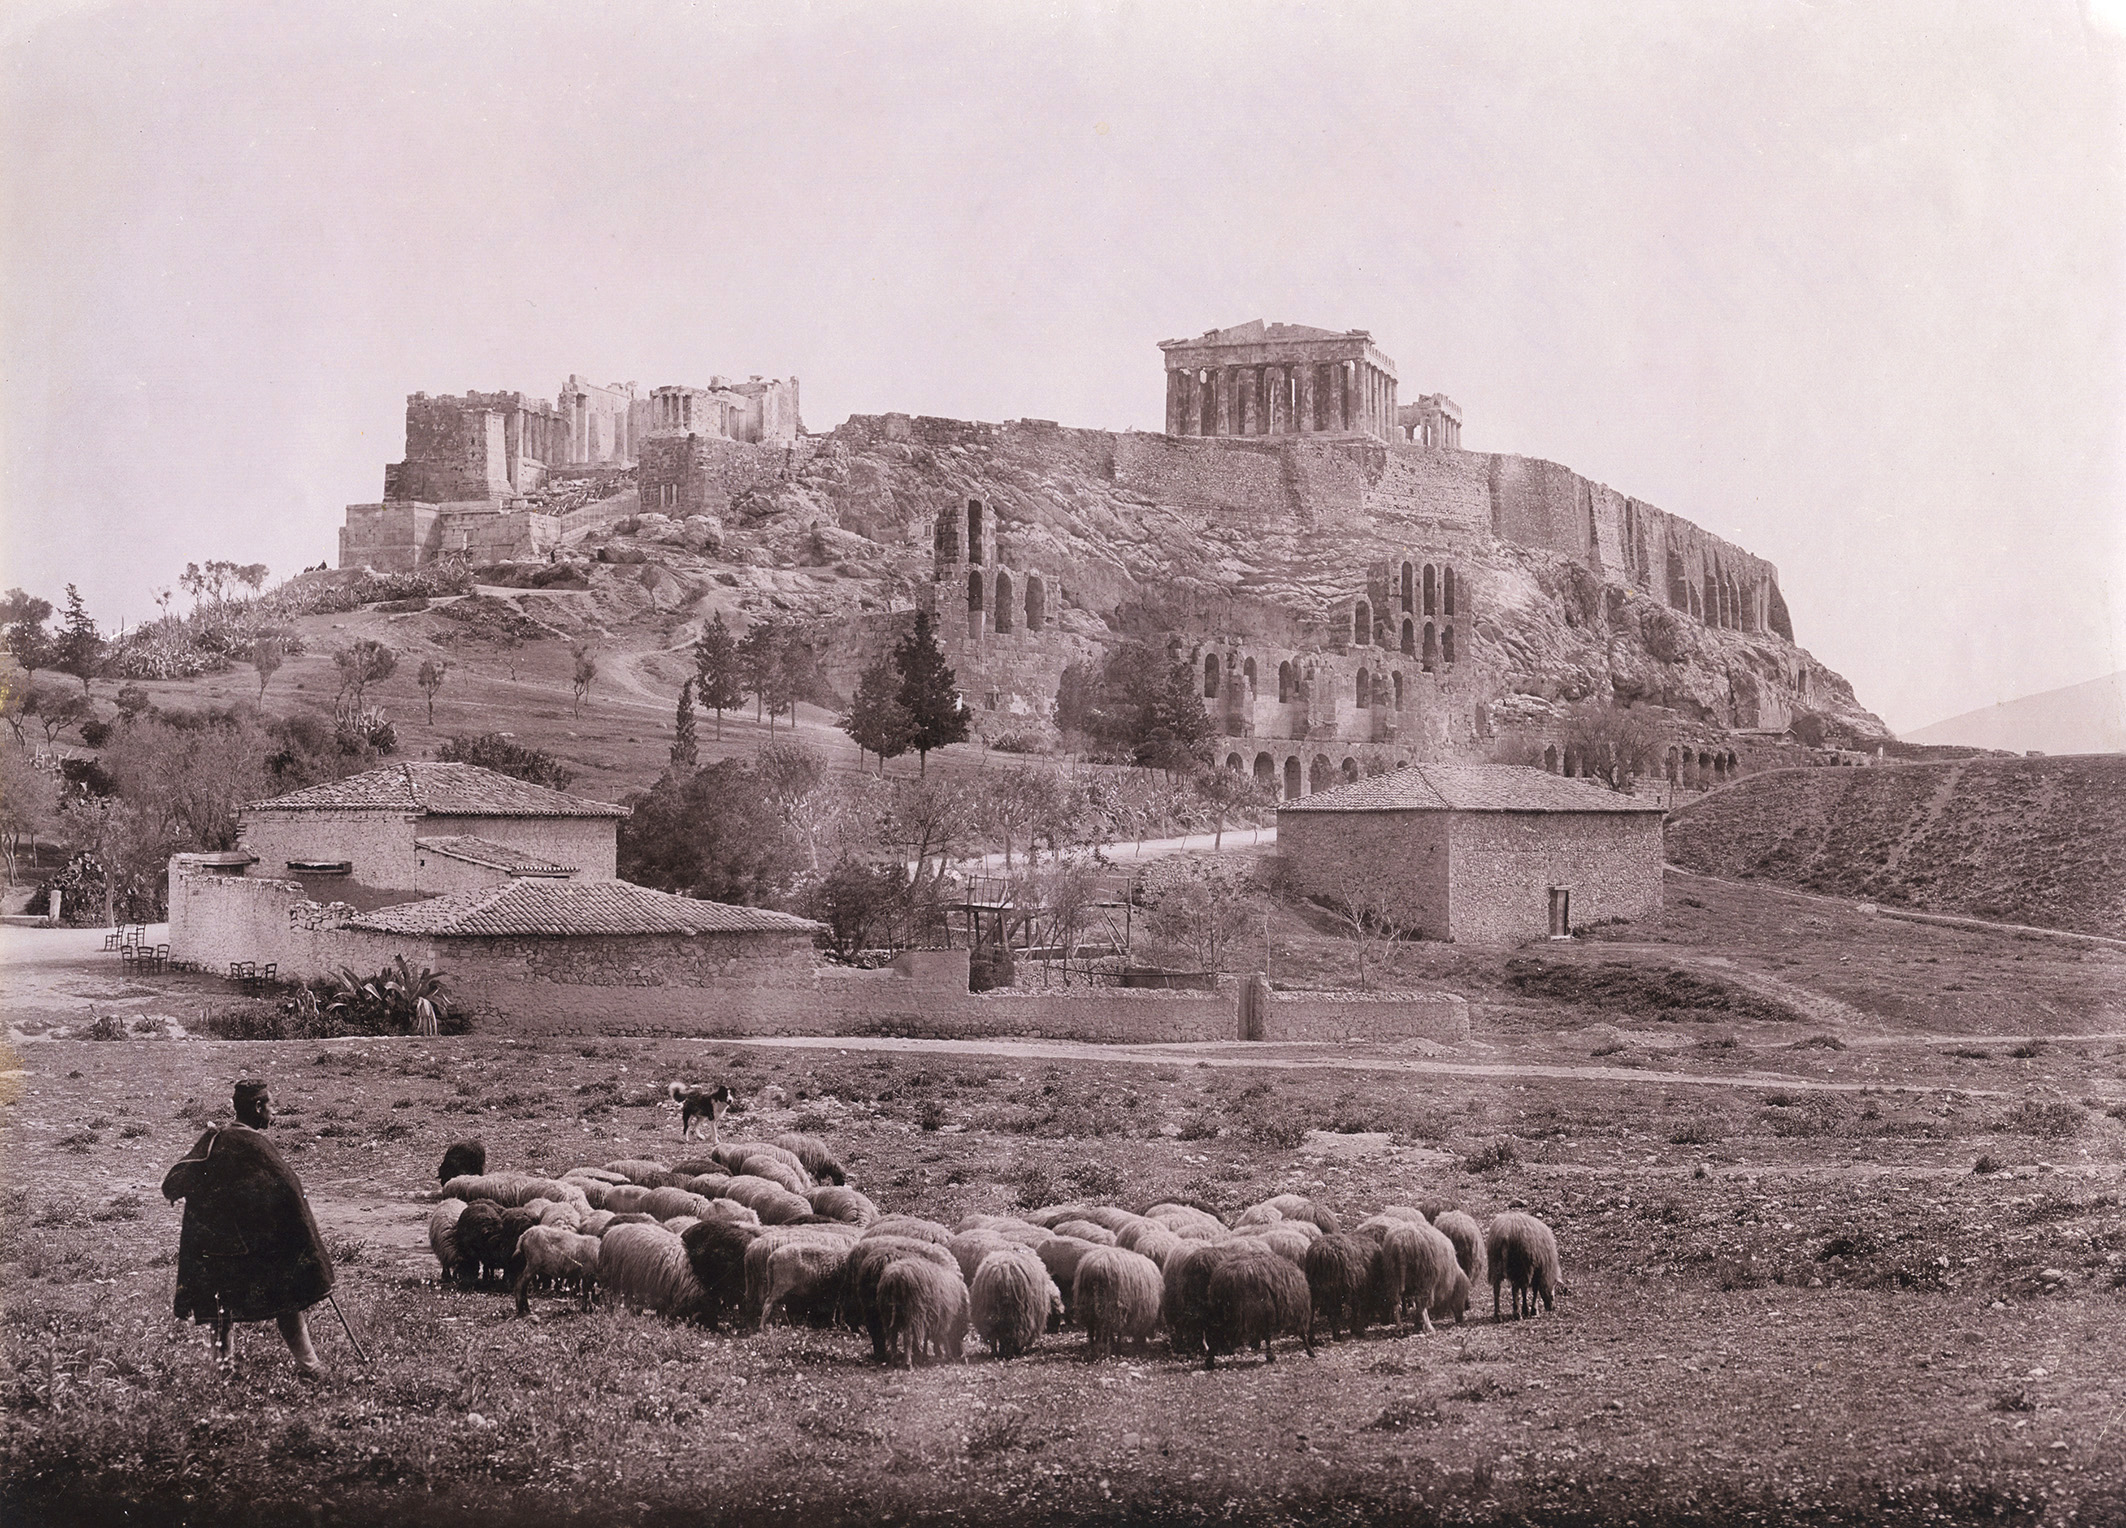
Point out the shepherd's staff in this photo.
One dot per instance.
(335, 1304)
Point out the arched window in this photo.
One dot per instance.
(1431, 648)
(1349, 770)
(1446, 591)
(1319, 775)
(1431, 590)
(1210, 676)
(1247, 672)
(1036, 602)
(1398, 689)
(1361, 624)
(1003, 621)
(974, 530)
(1550, 758)
(1409, 639)
(1446, 644)
(1234, 763)
(1284, 683)
(974, 603)
(1365, 688)
(1265, 771)
(1409, 589)
(1291, 778)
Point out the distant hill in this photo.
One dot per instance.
(2082, 718)
(2040, 841)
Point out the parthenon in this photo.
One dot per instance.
(1279, 379)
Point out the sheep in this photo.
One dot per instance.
(641, 1172)
(1299, 1207)
(679, 1225)
(735, 1156)
(753, 1308)
(625, 1198)
(793, 1180)
(647, 1267)
(443, 1236)
(557, 1212)
(595, 1222)
(970, 1247)
(923, 1310)
(1432, 1206)
(838, 1203)
(1011, 1300)
(1116, 1295)
(462, 1159)
(1378, 1225)
(510, 1190)
(773, 1203)
(1152, 1239)
(1284, 1238)
(1346, 1279)
(630, 1218)
(813, 1155)
(1254, 1297)
(582, 1175)
(804, 1280)
(1060, 1255)
(1468, 1239)
(1106, 1216)
(1086, 1230)
(731, 1212)
(550, 1252)
(664, 1203)
(487, 1237)
(868, 1262)
(1423, 1271)
(1185, 1286)
(908, 1226)
(1189, 1221)
(716, 1251)
(1522, 1251)
(1257, 1215)
(1054, 1214)
(709, 1185)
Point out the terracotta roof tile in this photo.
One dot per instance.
(573, 908)
(485, 851)
(451, 790)
(1470, 788)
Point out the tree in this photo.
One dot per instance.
(858, 902)
(491, 750)
(710, 833)
(1067, 891)
(212, 581)
(1201, 907)
(430, 678)
(775, 665)
(1175, 725)
(79, 650)
(1225, 791)
(929, 693)
(1613, 744)
(586, 670)
(22, 618)
(877, 721)
(366, 663)
(267, 655)
(924, 819)
(29, 807)
(1374, 909)
(56, 711)
(717, 673)
(686, 751)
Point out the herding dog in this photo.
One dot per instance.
(700, 1104)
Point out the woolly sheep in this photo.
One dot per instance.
(557, 1212)
(664, 1203)
(443, 1236)
(1052, 1215)
(625, 1198)
(1254, 1297)
(868, 1262)
(487, 1237)
(1108, 1217)
(1432, 1206)
(551, 1252)
(1468, 1239)
(1257, 1215)
(773, 1203)
(1189, 1221)
(1011, 1300)
(731, 1212)
(679, 1225)
(813, 1155)
(838, 1203)
(1117, 1295)
(1523, 1252)
(1285, 1239)
(709, 1185)
(1299, 1207)
(1060, 1255)
(923, 1310)
(968, 1249)
(595, 1222)
(641, 1172)
(716, 1251)
(1152, 1239)
(591, 1175)
(513, 1189)
(1422, 1271)
(804, 1280)
(975, 1220)
(1347, 1277)
(792, 1180)
(629, 1218)
(753, 1308)
(1086, 1230)
(646, 1267)
(462, 1159)
(909, 1226)
(1185, 1287)
(735, 1156)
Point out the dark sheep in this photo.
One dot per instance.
(1253, 1298)
(716, 1250)
(1187, 1282)
(1521, 1250)
(924, 1310)
(1346, 1283)
(868, 1261)
(487, 1238)
(462, 1159)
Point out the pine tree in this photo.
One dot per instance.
(767, 658)
(929, 693)
(685, 754)
(1175, 723)
(79, 650)
(877, 720)
(716, 672)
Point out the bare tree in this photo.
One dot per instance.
(586, 670)
(1375, 910)
(430, 679)
(1613, 744)
(366, 663)
(1204, 908)
(267, 655)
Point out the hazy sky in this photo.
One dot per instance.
(1840, 282)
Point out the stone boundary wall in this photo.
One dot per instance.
(216, 919)
(1338, 1016)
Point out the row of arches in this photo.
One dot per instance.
(976, 546)
(1433, 587)
(995, 605)
(1293, 779)
(1693, 769)
(1432, 644)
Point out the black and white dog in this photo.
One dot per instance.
(696, 1104)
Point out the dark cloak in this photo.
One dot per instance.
(249, 1248)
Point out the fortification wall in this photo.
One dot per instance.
(683, 475)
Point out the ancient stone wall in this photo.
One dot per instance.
(590, 844)
(456, 449)
(683, 475)
(1502, 866)
(217, 919)
(1329, 854)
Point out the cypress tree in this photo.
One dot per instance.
(716, 674)
(877, 721)
(685, 754)
(929, 693)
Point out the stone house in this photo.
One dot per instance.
(1488, 854)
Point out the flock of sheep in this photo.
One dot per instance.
(765, 1230)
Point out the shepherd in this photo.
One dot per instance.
(249, 1249)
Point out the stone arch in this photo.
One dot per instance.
(1446, 591)
(1003, 618)
(1235, 763)
(1550, 758)
(974, 602)
(1431, 590)
(1036, 602)
(1210, 676)
(1292, 790)
(1431, 648)
(1247, 672)
(1398, 689)
(1349, 770)
(1266, 772)
(1365, 689)
(1361, 624)
(1285, 683)
(1320, 774)
(974, 531)
(1731, 766)
(1446, 644)
(1409, 589)
(1409, 639)
(1705, 766)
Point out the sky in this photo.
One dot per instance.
(1840, 282)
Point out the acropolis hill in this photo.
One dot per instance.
(1355, 589)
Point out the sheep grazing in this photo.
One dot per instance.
(443, 1236)
(1285, 1239)
(1253, 1298)
(773, 1203)
(1432, 1206)
(1116, 1297)
(1186, 1282)
(462, 1159)
(1053, 1215)
(1011, 1300)
(735, 1155)
(790, 1179)
(868, 1262)
(730, 1211)
(1346, 1278)
(709, 1185)
(646, 1267)
(1523, 1252)
(583, 1175)
(1060, 1255)
(716, 1251)
(549, 1252)
(1189, 1221)
(1152, 1239)
(1257, 1215)
(1422, 1272)
(1108, 1217)
(679, 1225)
(968, 1249)
(625, 1198)
(630, 1218)
(512, 1189)
(1300, 1207)
(754, 1306)
(923, 1310)
(838, 1203)
(908, 1226)
(487, 1237)
(1468, 1239)
(804, 1280)
(642, 1172)
(813, 1155)
(664, 1203)
(1088, 1231)
(558, 1212)
(595, 1222)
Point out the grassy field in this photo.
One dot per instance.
(1792, 1298)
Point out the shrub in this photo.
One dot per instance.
(1491, 1157)
(107, 1027)
(2055, 1119)
(1281, 1128)
(1694, 1132)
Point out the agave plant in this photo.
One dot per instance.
(399, 996)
